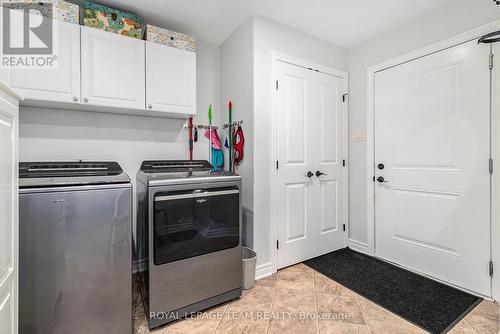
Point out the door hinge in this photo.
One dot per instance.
(344, 97)
(277, 244)
(491, 268)
(343, 227)
(277, 84)
(277, 164)
(343, 163)
(492, 57)
(490, 166)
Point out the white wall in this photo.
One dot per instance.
(445, 22)
(237, 85)
(67, 135)
(270, 36)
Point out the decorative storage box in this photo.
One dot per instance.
(61, 10)
(112, 20)
(170, 38)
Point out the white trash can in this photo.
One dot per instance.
(249, 259)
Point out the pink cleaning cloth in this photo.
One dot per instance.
(215, 139)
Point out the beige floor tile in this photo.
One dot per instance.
(298, 267)
(293, 301)
(295, 326)
(462, 328)
(383, 321)
(257, 299)
(269, 281)
(324, 284)
(344, 308)
(484, 318)
(296, 280)
(242, 326)
(337, 327)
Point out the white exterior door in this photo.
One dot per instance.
(113, 70)
(170, 79)
(61, 84)
(309, 209)
(432, 136)
(8, 212)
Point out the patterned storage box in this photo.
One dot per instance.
(112, 20)
(170, 38)
(61, 10)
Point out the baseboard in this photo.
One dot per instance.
(264, 270)
(358, 246)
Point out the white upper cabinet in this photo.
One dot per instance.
(170, 79)
(59, 84)
(113, 70)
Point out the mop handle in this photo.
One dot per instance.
(230, 136)
(210, 132)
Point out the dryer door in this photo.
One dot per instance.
(192, 223)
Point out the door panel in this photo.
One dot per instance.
(62, 83)
(329, 204)
(171, 79)
(113, 69)
(295, 119)
(432, 135)
(296, 209)
(9, 235)
(309, 139)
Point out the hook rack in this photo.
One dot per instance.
(236, 123)
(200, 126)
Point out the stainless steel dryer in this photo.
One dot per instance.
(75, 249)
(188, 238)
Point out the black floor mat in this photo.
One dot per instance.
(428, 304)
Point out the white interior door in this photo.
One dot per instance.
(8, 213)
(113, 69)
(309, 209)
(432, 133)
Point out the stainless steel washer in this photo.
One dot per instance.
(75, 249)
(188, 238)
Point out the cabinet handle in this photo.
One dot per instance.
(75, 99)
(85, 100)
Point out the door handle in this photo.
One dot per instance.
(381, 179)
(309, 174)
(318, 173)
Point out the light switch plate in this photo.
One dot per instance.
(359, 135)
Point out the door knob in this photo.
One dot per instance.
(381, 179)
(318, 173)
(309, 174)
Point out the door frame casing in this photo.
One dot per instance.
(448, 43)
(296, 61)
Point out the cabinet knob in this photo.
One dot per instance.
(75, 99)
(85, 100)
(150, 106)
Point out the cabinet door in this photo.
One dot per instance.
(8, 212)
(113, 70)
(171, 79)
(62, 83)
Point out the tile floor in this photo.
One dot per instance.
(300, 300)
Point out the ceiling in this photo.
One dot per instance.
(342, 22)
